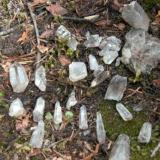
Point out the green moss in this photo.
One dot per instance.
(149, 4)
(114, 126)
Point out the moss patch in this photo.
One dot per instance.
(114, 126)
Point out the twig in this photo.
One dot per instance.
(59, 154)
(155, 150)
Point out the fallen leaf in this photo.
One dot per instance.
(56, 9)
(47, 34)
(103, 23)
(64, 60)
(23, 122)
(24, 37)
(156, 83)
(42, 48)
(38, 2)
(120, 26)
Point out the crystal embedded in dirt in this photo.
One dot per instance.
(57, 117)
(72, 43)
(93, 64)
(108, 59)
(121, 148)
(135, 16)
(18, 77)
(145, 133)
(38, 111)
(77, 71)
(71, 100)
(92, 40)
(37, 137)
(16, 108)
(100, 78)
(83, 121)
(63, 33)
(116, 88)
(141, 52)
(40, 78)
(101, 133)
(99, 70)
(123, 111)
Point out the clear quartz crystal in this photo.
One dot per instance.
(83, 121)
(135, 16)
(40, 78)
(77, 71)
(145, 133)
(16, 108)
(124, 112)
(116, 88)
(102, 76)
(121, 148)
(72, 43)
(38, 111)
(18, 77)
(101, 134)
(112, 55)
(57, 117)
(71, 100)
(63, 33)
(92, 40)
(37, 137)
(93, 64)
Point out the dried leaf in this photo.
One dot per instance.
(47, 34)
(64, 60)
(103, 23)
(24, 37)
(156, 83)
(56, 9)
(42, 48)
(38, 2)
(120, 26)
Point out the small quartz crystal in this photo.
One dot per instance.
(116, 88)
(121, 148)
(101, 134)
(145, 133)
(57, 118)
(77, 71)
(93, 64)
(37, 137)
(123, 111)
(40, 78)
(83, 121)
(71, 100)
(18, 77)
(16, 108)
(38, 111)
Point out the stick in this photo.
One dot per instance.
(155, 150)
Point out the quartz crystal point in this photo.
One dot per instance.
(77, 71)
(16, 108)
(123, 111)
(116, 88)
(145, 133)
(101, 134)
(37, 137)
(18, 77)
(57, 118)
(83, 121)
(93, 64)
(40, 78)
(71, 100)
(121, 148)
(135, 16)
(38, 111)
(92, 40)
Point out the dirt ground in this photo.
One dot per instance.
(20, 45)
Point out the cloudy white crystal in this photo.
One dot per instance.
(83, 121)
(71, 100)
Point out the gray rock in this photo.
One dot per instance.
(135, 16)
(145, 133)
(123, 111)
(92, 40)
(40, 78)
(121, 148)
(101, 133)
(83, 121)
(116, 88)
(18, 77)
(38, 111)
(71, 100)
(77, 71)
(16, 108)
(141, 52)
(37, 137)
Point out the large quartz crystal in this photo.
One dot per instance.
(135, 16)
(18, 77)
(83, 121)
